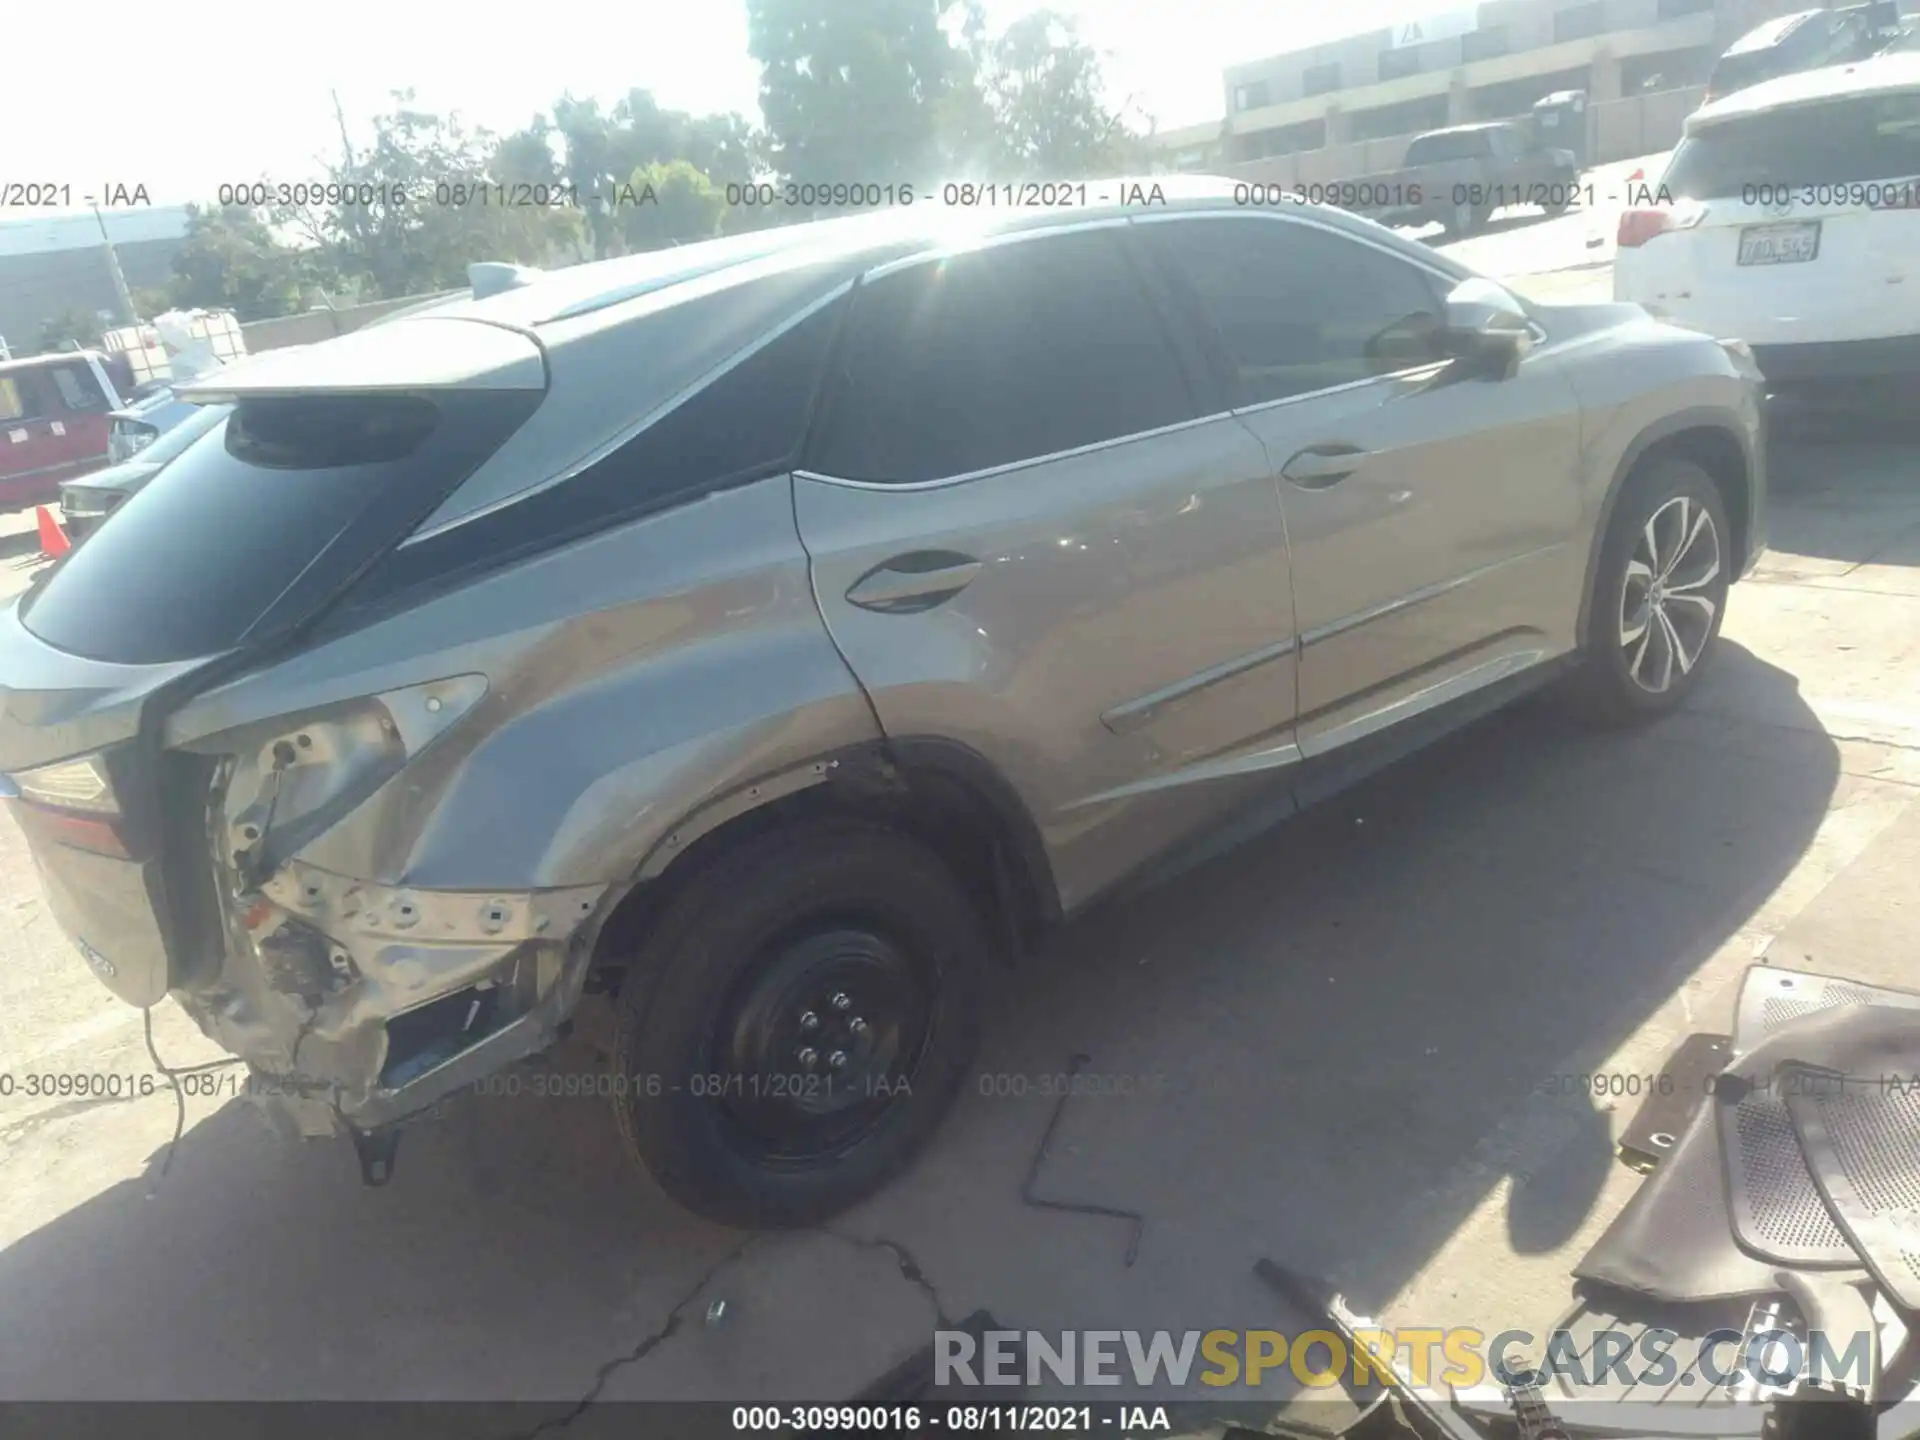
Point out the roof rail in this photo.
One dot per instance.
(492, 277)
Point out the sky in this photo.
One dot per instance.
(192, 96)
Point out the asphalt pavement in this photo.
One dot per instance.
(1327, 1047)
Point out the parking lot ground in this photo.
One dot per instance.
(1327, 1047)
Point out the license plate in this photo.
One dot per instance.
(1793, 244)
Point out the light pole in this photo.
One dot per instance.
(128, 314)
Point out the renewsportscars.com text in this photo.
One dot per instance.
(1460, 1358)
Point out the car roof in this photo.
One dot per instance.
(500, 340)
(1765, 37)
(1475, 127)
(41, 362)
(1880, 75)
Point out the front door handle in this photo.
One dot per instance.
(1319, 466)
(917, 581)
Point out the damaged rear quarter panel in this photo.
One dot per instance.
(629, 679)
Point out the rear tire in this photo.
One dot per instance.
(755, 1101)
(1660, 592)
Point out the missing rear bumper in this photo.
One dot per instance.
(360, 1005)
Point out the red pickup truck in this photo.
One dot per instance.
(55, 416)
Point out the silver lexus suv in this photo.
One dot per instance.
(774, 634)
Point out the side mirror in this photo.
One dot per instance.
(1486, 326)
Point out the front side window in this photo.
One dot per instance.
(995, 356)
(13, 405)
(1298, 308)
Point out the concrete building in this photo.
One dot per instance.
(53, 263)
(1349, 107)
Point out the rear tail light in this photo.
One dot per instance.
(80, 784)
(1648, 222)
(84, 832)
(72, 803)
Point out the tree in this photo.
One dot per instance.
(524, 164)
(1043, 88)
(71, 329)
(408, 213)
(604, 149)
(681, 206)
(854, 90)
(231, 260)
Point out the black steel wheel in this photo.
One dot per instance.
(802, 1013)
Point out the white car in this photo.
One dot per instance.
(1789, 218)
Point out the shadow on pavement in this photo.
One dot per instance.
(1296, 1047)
(1845, 484)
(515, 1250)
(1308, 1049)
(21, 550)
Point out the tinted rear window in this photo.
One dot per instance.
(259, 526)
(1870, 137)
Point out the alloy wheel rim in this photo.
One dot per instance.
(1667, 605)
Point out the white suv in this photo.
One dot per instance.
(1789, 218)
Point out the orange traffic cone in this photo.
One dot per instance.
(53, 540)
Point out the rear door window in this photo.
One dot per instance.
(78, 390)
(1837, 142)
(261, 525)
(1001, 355)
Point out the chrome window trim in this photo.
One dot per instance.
(646, 421)
(992, 240)
(1012, 465)
(1307, 220)
(1539, 335)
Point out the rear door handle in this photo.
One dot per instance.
(917, 581)
(1320, 466)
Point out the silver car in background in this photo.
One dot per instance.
(774, 633)
(85, 504)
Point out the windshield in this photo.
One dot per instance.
(1860, 138)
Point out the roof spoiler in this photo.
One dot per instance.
(494, 277)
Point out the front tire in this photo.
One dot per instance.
(800, 1017)
(1660, 592)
